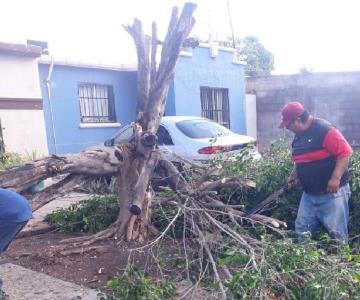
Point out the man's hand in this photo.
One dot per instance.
(340, 167)
(333, 185)
(293, 179)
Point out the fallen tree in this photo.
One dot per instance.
(134, 163)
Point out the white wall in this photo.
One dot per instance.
(19, 77)
(24, 131)
(251, 119)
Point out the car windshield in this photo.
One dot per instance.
(201, 129)
(125, 135)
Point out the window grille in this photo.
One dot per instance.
(215, 105)
(96, 103)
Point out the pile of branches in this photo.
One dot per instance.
(207, 221)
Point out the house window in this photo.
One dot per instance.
(96, 103)
(215, 105)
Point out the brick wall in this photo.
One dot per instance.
(332, 96)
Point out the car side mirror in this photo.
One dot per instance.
(109, 143)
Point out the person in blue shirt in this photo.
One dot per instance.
(15, 212)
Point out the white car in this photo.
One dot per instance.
(194, 138)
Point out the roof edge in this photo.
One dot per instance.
(47, 60)
(221, 48)
(20, 49)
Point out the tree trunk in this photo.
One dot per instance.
(104, 161)
(138, 162)
(153, 84)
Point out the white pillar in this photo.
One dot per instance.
(251, 118)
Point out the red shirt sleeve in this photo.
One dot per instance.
(336, 144)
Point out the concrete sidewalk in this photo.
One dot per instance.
(25, 284)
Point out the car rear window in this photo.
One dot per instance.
(201, 129)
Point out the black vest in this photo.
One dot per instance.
(314, 175)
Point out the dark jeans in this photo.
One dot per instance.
(8, 233)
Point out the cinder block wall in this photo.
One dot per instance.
(332, 96)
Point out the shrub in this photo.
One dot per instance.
(269, 173)
(91, 215)
(137, 285)
(100, 186)
(10, 159)
(354, 204)
(288, 270)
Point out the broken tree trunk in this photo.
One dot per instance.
(153, 84)
(104, 161)
(137, 167)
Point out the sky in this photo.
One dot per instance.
(317, 35)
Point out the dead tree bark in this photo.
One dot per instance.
(92, 162)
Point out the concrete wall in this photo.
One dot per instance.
(200, 69)
(24, 132)
(70, 136)
(19, 77)
(23, 129)
(332, 96)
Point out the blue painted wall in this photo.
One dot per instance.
(218, 72)
(183, 97)
(66, 108)
(170, 101)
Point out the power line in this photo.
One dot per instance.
(231, 25)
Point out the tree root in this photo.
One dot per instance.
(82, 250)
(92, 239)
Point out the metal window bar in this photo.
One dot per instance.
(215, 105)
(97, 103)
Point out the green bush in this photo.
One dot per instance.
(161, 217)
(100, 186)
(137, 285)
(10, 159)
(270, 174)
(91, 215)
(288, 270)
(354, 204)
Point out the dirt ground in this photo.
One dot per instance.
(91, 269)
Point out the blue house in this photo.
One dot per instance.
(86, 104)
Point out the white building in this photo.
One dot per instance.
(21, 110)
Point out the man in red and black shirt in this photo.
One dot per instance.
(321, 155)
